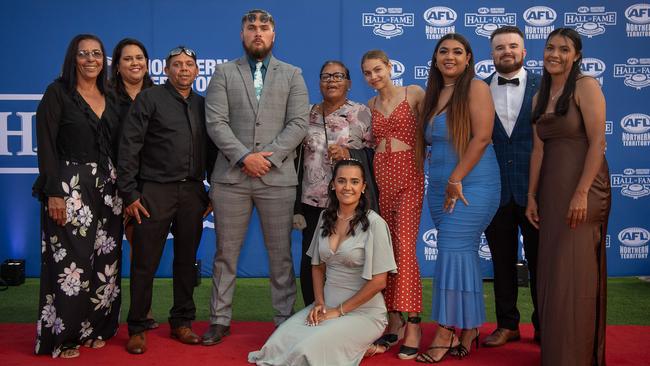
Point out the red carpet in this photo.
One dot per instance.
(626, 345)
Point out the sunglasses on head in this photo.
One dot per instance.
(178, 50)
(263, 15)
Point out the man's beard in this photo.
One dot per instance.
(259, 53)
(506, 69)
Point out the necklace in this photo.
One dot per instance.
(557, 93)
(452, 84)
(344, 218)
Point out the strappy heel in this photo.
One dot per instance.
(460, 351)
(390, 339)
(408, 352)
(426, 357)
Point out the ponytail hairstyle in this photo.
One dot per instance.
(360, 212)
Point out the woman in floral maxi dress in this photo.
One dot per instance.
(81, 213)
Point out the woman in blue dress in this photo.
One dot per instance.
(463, 191)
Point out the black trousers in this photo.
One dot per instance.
(177, 206)
(502, 236)
(311, 215)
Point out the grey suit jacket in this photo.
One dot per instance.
(238, 124)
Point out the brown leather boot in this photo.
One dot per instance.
(137, 344)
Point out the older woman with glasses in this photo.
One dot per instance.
(81, 215)
(338, 128)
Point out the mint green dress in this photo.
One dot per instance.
(344, 340)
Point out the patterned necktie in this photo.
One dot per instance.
(258, 83)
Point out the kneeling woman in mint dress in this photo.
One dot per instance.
(463, 191)
(351, 254)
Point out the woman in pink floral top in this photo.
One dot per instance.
(346, 133)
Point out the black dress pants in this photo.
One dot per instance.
(311, 215)
(178, 206)
(502, 235)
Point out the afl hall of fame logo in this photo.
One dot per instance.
(635, 72)
(388, 22)
(396, 72)
(636, 130)
(634, 243)
(421, 72)
(634, 183)
(440, 21)
(593, 67)
(484, 249)
(638, 20)
(535, 66)
(590, 21)
(539, 22)
(486, 20)
(484, 68)
(430, 239)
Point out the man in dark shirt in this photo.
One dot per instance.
(163, 157)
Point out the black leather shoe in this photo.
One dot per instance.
(215, 334)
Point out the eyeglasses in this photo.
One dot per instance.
(335, 76)
(178, 50)
(96, 54)
(264, 16)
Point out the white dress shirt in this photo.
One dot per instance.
(508, 99)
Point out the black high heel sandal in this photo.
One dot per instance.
(408, 352)
(390, 339)
(460, 351)
(426, 357)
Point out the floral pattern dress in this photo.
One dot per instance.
(80, 292)
(349, 126)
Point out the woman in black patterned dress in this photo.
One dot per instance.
(81, 213)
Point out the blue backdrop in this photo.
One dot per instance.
(616, 37)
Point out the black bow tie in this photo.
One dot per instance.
(503, 81)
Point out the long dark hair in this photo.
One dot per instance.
(562, 105)
(458, 118)
(116, 82)
(69, 70)
(360, 212)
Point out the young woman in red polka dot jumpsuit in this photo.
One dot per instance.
(401, 188)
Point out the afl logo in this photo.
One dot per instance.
(484, 68)
(636, 123)
(634, 237)
(592, 67)
(638, 13)
(430, 238)
(440, 16)
(397, 70)
(540, 16)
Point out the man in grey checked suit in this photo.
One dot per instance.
(256, 113)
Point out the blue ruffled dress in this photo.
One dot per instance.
(457, 285)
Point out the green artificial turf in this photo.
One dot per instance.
(628, 301)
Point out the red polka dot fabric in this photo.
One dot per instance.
(401, 189)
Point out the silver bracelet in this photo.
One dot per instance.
(341, 310)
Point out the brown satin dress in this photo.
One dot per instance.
(572, 269)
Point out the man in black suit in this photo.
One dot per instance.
(512, 89)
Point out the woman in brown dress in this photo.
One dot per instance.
(569, 180)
